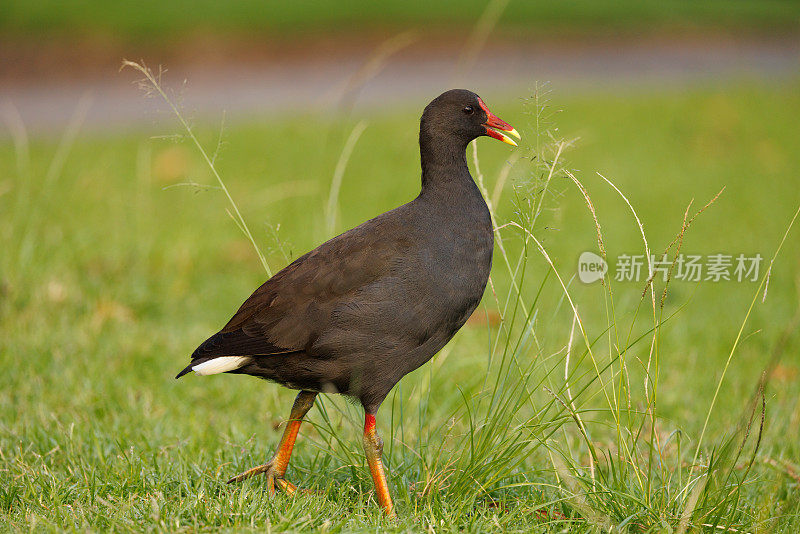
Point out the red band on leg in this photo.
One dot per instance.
(369, 423)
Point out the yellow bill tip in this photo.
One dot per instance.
(507, 140)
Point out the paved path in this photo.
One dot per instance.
(114, 103)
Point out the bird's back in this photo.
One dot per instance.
(378, 301)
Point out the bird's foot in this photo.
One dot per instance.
(275, 479)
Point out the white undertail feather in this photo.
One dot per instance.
(221, 365)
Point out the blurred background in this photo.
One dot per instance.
(267, 58)
(117, 256)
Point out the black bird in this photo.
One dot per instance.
(362, 310)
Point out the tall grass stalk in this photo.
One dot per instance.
(760, 290)
(150, 83)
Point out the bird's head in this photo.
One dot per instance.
(462, 114)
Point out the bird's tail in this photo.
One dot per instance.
(186, 370)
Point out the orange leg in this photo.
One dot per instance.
(276, 468)
(373, 447)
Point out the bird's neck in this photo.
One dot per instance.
(444, 162)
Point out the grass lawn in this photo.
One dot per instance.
(111, 272)
(163, 21)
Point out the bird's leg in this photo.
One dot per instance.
(373, 447)
(276, 467)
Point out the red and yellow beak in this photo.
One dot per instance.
(495, 127)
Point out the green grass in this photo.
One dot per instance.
(164, 21)
(109, 278)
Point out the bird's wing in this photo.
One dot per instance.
(293, 308)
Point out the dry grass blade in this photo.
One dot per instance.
(502, 177)
(338, 175)
(590, 205)
(346, 94)
(691, 504)
(477, 39)
(19, 135)
(68, 139)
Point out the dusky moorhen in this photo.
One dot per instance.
(359, 312)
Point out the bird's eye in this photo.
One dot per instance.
(469, 110)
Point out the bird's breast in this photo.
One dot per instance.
(456, 265)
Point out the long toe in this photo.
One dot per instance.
(251, 473)
(274, 480)
(285, 486)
